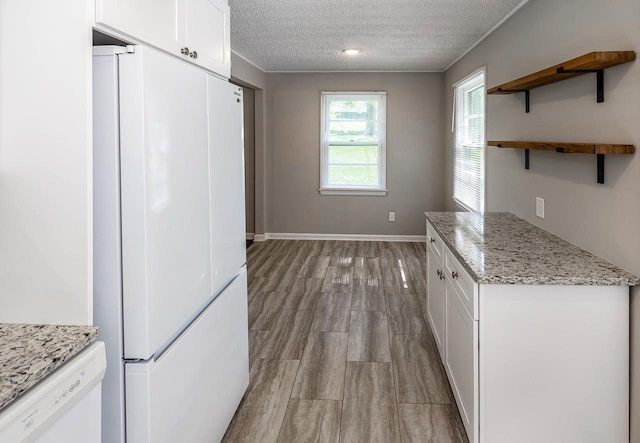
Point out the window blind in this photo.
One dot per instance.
(469, 142)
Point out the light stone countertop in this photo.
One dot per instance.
(28, 353)
(500, 248)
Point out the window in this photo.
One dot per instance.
(352, 154)
(468, 142)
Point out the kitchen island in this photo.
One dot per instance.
(532, 330)
(29, 353)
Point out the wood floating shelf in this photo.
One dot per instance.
(599, 149)
(592, 62)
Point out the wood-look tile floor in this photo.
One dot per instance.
(340, 349)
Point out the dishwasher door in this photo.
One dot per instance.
(80, 424)
(64, 407)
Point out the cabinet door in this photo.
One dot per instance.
(462, 360)
(207, 33)
(154, 22)
(436, 301)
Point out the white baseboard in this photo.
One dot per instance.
(250, 235)
(343, 237)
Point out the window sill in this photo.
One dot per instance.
(370, 192)
(464, 207)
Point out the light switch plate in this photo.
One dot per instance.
(392, 216)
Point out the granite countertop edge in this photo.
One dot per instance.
(625, 278)
(29, 353)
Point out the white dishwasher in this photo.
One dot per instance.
(63, 408)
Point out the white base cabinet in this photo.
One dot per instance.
(531, 363)
(554, 363)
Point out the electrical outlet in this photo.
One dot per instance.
(392, 216)
(540, 207)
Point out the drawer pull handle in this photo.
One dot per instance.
(440, 274)
(454, 274)
(432, 240)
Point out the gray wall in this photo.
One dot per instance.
(603, 219)
(247, 73)
(415, 159)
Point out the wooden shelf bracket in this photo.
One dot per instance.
(599, 79)
(600, 160)
(526, 97)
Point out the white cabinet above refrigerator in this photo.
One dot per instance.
(195, 30)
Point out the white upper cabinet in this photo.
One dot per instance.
(151, 21)
(195, 30)
(207, 33)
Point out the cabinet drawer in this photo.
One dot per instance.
(435, 242)
(462, 282)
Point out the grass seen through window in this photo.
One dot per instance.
(353, 165)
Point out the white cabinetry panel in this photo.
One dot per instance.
(201, 26)
(151, 21)
(45, 162)
(165, 210)
(552, 357)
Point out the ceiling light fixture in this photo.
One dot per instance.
(351, 51)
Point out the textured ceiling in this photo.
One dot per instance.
(394, 35)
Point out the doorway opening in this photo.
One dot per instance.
(249, 113)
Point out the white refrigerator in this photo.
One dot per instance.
(170, 285)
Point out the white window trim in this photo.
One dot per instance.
(324, 147)
(460, 204)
